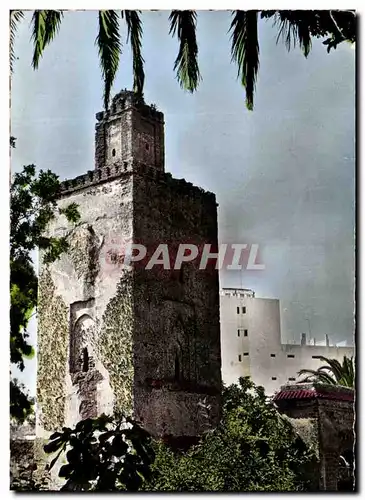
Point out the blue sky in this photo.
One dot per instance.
(283, 174)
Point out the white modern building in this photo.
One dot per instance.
(251, 343)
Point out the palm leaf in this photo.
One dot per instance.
(245, 50)
(135, 31)
(16, 17)
(304, 37)
(183, 23)
(287, 31)
(316, 376)
(334, 366)
(294, 27)
(110, 46)
(45, 25)
(333, 373)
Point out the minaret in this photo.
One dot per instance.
(123, 338)
(130, 131)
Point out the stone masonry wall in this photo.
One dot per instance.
(328, 423)
(176, 311)
(94, 371)
(53, 326)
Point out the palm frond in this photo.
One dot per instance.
(315, 376)
(16, 17)
(294, 27)
(304, 37)
(110, 46)
(334, 365)
(245, 50)
(135, 31)
(287, 32)
(45, 25)
(333, 373)
(183, 23)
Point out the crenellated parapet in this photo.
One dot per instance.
(120, 170)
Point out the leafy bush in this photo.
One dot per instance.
(103, 454)
(252, 449)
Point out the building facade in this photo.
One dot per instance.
(251, 343)
(118, 337)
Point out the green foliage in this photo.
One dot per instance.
(135, 31)
(252, 449)
(109, 46)
(115, 346)
(183, 23)
(32, 208)
(103, 454)
(245, 50)
(332, 373)
(294, 26)
(45, 25)
(53, 329)
(21, 405)
(302, 25)
(15, 17)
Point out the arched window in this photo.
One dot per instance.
(81, 335)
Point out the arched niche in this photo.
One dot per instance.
(81, 359)
(179, 353)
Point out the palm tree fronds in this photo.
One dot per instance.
(294, 27)
(333, 373)
(245, 50)
(304, 36)
(183, 23)
(45, 25)
(135, 31)
(287, 32)
(316, 376)
(16, 16)
(110, 46)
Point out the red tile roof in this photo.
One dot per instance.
(314, 394)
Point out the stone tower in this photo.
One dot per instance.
(123, 337)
